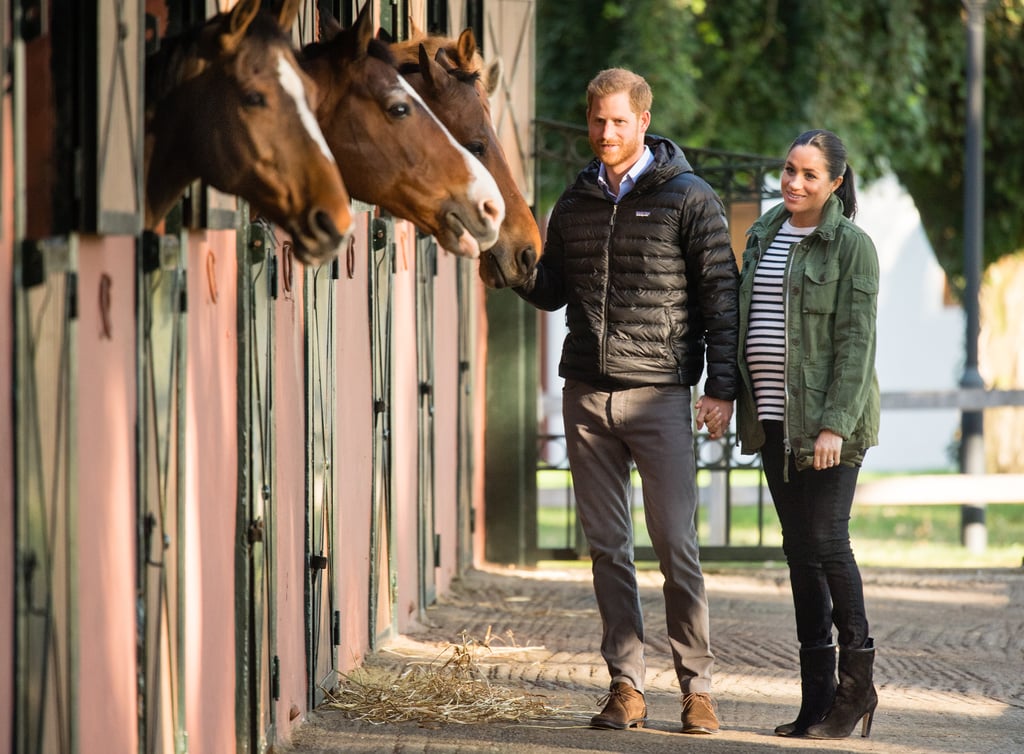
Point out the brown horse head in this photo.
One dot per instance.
(393, 151)
(450, 76)
(228, 103)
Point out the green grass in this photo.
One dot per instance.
(929, 536)
(909, 536)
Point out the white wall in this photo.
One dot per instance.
(920, 339)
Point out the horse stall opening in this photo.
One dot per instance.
(226, 476)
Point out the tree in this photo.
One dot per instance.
(748, 75)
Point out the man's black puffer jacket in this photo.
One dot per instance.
(647, 282)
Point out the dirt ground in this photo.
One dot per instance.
(949, 667)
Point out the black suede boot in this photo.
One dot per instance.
(856, 698)
(817, 689)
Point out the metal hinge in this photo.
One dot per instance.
(159, 252)
(255, 533)
(43, 257)
(260, 242)
(272, 278)
(72, 295)
(182, 294)
(379, 231)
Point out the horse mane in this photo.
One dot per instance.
(173, 63)
(314, 50)
(374, 49)
(180, 57)
(407, 53)
(467, 77)
(381, 51)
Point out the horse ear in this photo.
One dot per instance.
(287, 14)
(415, 32)
(238, 24)
(329, 26)
(441, 56)
(429, 69)
(493, 77)
(465, 48)
(363, 28)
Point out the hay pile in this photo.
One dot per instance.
(451, 689)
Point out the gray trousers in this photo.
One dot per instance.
(652, 426)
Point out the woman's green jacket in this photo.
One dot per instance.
(830, 290)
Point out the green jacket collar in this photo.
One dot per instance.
(769, 223)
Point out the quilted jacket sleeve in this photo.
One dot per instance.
(545, 288)
(717, 287)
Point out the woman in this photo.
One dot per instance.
(809, 403)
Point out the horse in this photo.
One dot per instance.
(392, 150)
(450, 75)
(227, 102)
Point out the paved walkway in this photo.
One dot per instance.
(949, 671)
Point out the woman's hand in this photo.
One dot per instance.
(827, 449)
(714, 413)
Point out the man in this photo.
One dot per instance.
(638, 251)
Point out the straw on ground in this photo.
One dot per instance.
(451, 689)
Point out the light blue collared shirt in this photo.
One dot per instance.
(629, 179)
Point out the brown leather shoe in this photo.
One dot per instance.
(699, 714)
(624, 707)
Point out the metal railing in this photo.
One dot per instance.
(719, 461)
(562, 149)
(560, 537)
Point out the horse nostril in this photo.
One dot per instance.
(528, 257)
(323, 225)
(492, 211)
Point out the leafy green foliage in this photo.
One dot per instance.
(889, 76)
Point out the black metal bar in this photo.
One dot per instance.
(972, 447)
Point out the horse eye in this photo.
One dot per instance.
(254, 99)
(398, 110)
(476, 148)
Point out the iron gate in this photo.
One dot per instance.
(46, 658)
(160, 577)
(260, 276)
(465, 524)
(740, 180)
(719, 463)
(383, 577)
(322, 617)
(428, 550)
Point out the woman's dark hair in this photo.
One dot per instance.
(834, 150)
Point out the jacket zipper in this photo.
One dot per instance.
(607, 283)
(786, 444)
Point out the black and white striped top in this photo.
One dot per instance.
(766, 334)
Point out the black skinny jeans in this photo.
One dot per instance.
(814, 509)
